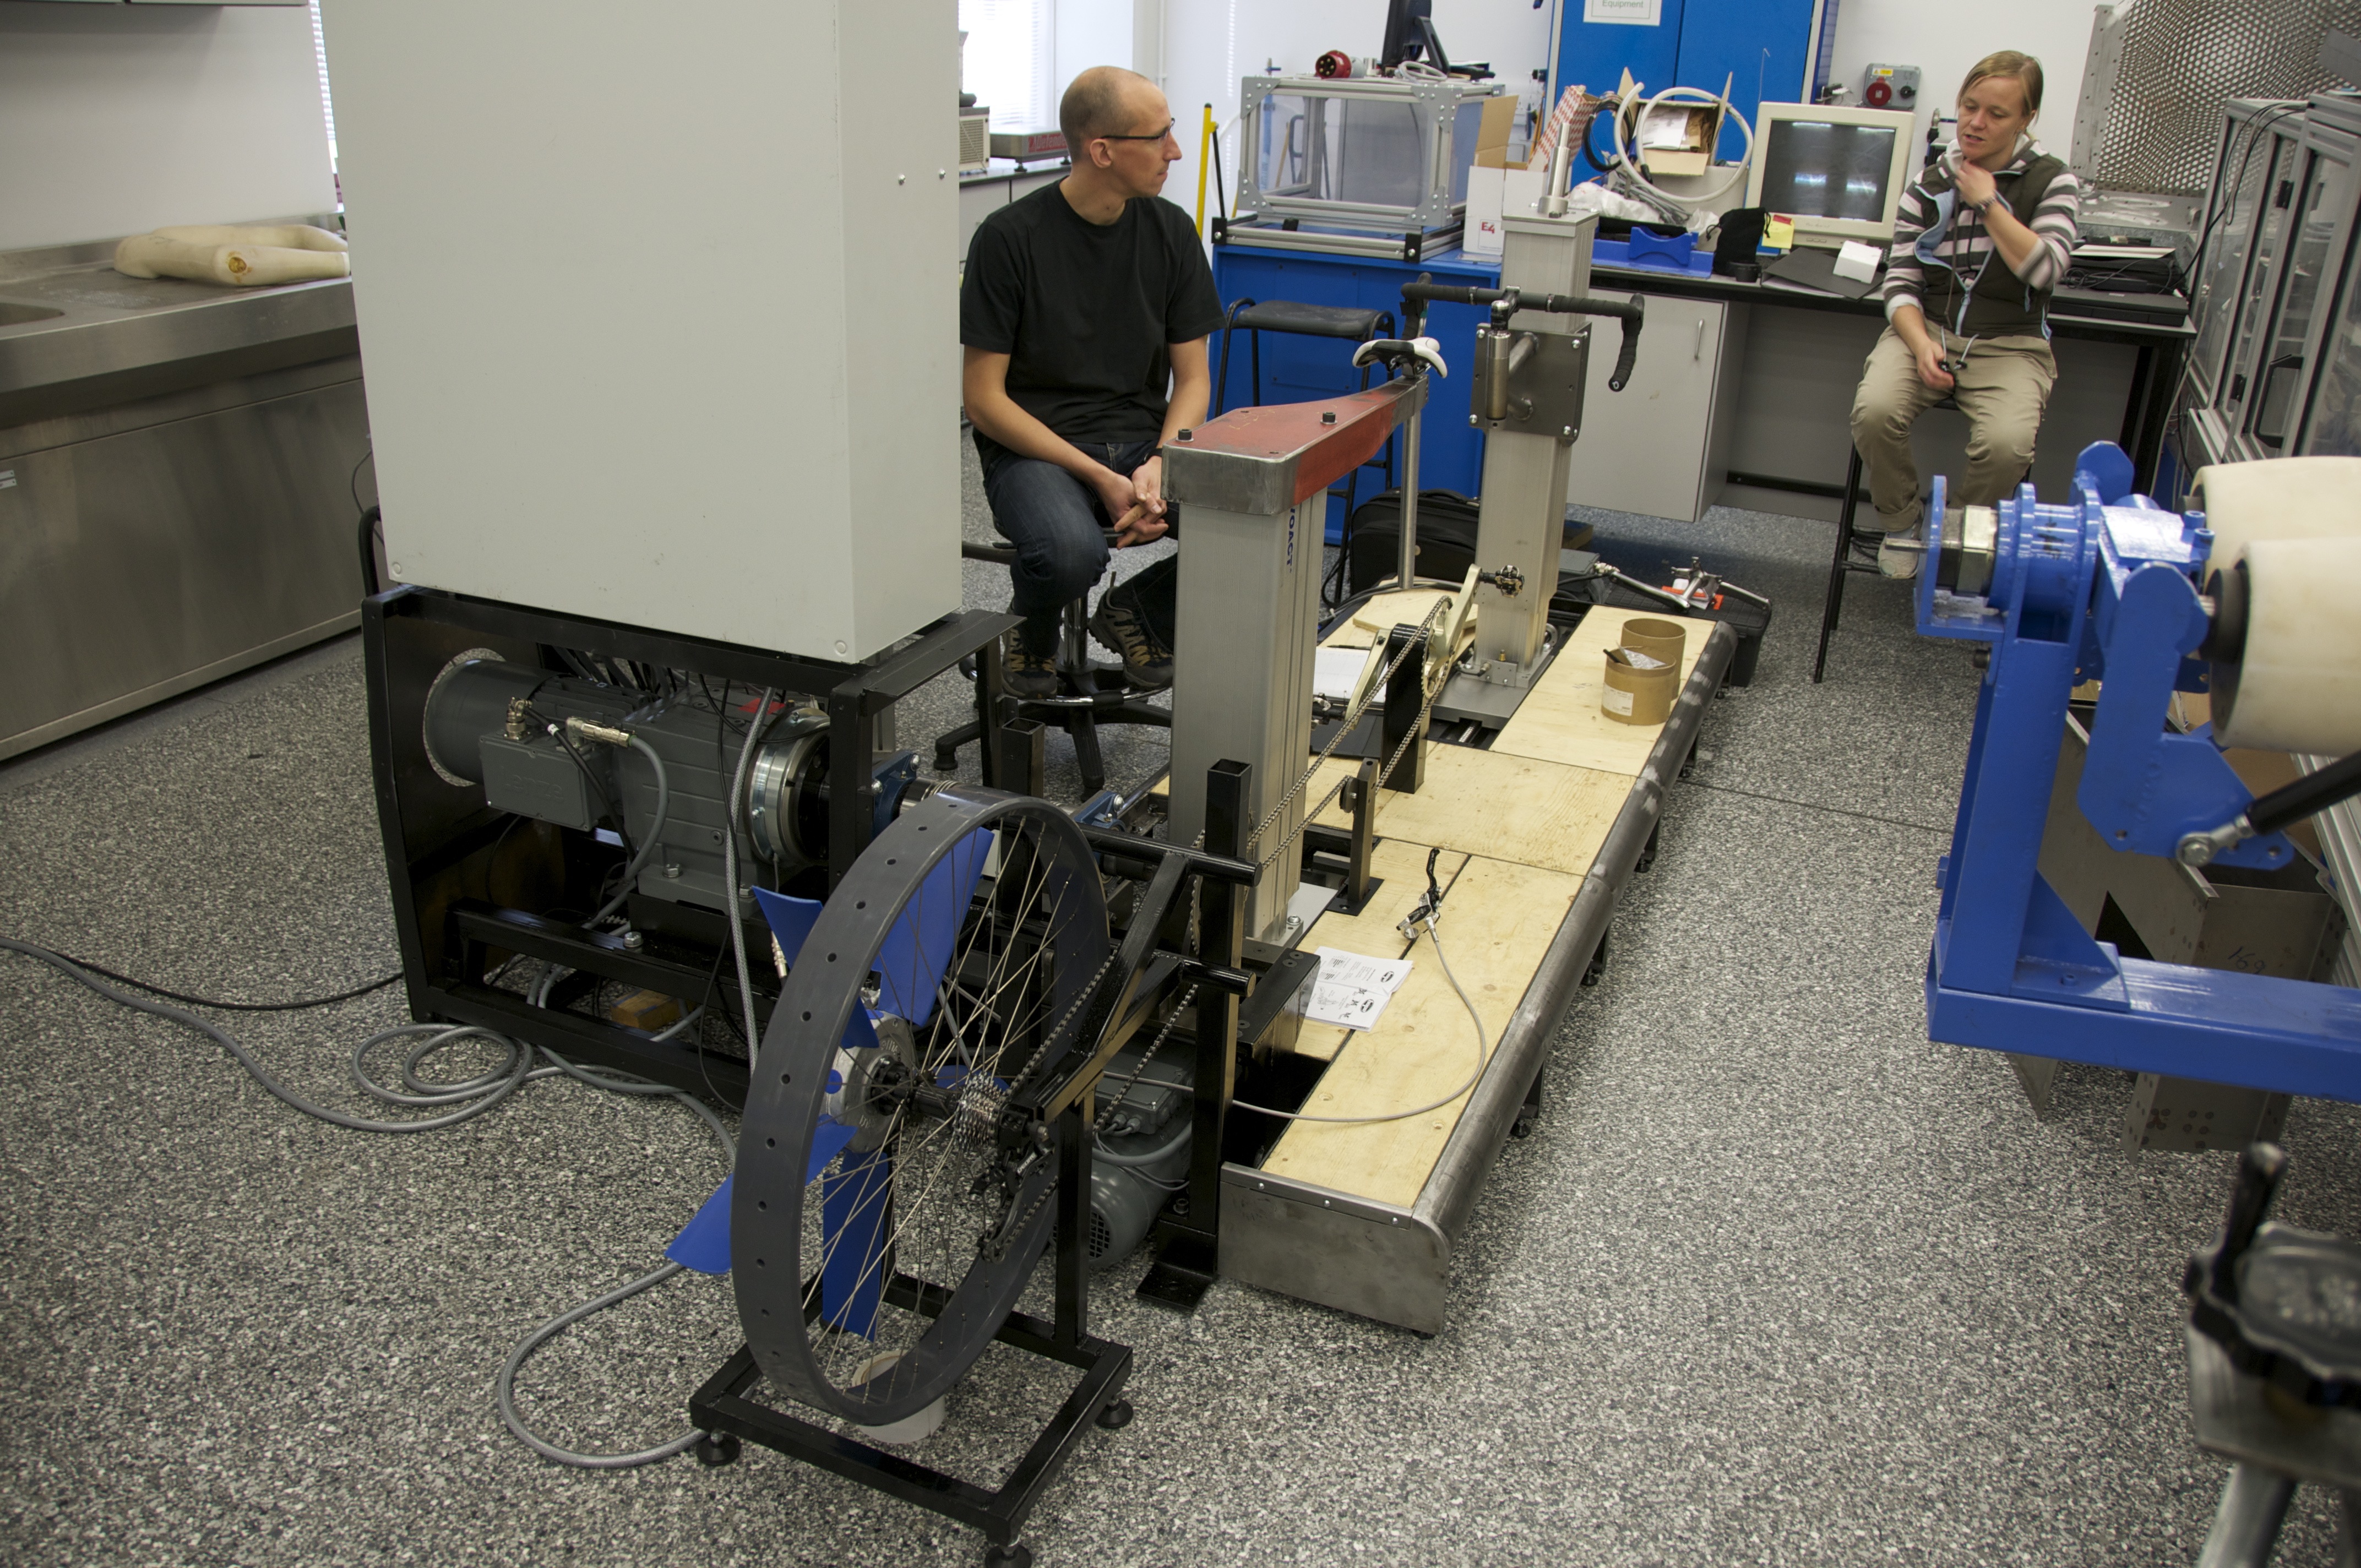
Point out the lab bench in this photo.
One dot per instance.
(174, 467)
(1742, 393)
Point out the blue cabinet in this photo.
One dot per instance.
(1450, 455)
(1773, 51)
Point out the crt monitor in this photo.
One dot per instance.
(1839, 172)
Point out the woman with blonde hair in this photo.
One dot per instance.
(1980, 241)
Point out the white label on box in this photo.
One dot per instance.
(1618, 700)
(1628, 12)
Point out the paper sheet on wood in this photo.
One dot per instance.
(1354, 988)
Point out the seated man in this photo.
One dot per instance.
(1082, 303)
(1957, 322)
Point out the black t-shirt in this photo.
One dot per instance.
(1085, 313)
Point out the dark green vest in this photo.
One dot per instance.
(1999, 302)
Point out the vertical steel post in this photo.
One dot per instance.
(1405, 714)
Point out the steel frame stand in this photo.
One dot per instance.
(726, 1404)
(431, 832)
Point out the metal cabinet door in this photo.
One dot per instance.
(2239, 373)
(1649, 448)
(2323, 209)
(2241, 182)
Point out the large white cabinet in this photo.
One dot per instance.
(1660, 447)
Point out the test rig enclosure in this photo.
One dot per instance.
(676, 434)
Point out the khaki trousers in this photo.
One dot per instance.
(2003, 389)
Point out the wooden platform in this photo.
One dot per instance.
(1520, 825)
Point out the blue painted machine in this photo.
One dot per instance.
(2107, 587)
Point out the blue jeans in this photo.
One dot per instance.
(1057, 524)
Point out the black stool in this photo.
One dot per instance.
(1848, 539)
(1348, 324)
(1094, 694)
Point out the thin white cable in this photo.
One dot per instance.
(1626, 166)
(1483, 1059)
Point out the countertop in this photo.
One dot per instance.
(75, 333)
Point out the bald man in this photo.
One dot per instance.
(1084, 315)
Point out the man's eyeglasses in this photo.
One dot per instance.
(1158, 136)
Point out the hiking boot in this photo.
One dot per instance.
(1122, 629)
(1899, 552)
(1024, 673)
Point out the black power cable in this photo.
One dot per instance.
(170, 995)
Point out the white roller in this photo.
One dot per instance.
(2285, 498)
(2299, 680)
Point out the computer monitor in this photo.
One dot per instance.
(1410, 34)
(1839, 172)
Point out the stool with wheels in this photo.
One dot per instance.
(1856, 549)
(1091, 694)
(1345, 322)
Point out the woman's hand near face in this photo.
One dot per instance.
(1976, 185)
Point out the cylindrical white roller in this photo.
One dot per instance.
(240, 265)
(2297, 684)
(2285, 498)
(285, 236)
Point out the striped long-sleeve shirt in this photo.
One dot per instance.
(1943, 261)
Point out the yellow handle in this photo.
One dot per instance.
(1204, 144)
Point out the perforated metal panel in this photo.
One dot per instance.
(2160, 70)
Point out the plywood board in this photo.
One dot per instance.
(1561, 719)
(1401, 865)
(1498, 922)
(1371, 622)
(1514, 808)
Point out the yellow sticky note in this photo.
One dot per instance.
(1778, 231)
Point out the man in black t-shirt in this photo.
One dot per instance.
(1082, 303)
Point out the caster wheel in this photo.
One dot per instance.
(1522, 1128)
(1594, 974)
(1116, 1415)
(1016, 1555)
(715, 1450)
(1644, 864)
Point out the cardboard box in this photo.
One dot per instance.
(1491, 194)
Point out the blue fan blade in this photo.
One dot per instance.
(916, 952)
(703, 1244)
(854, 1207)
(791, 919)
(828, 1139)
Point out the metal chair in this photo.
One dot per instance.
(1346, 323)
(1094, 694)
(1849, 540)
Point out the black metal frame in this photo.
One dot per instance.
(417, 851)
(1128, 997)
(724, 1405)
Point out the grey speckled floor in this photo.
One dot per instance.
(1774, 1281)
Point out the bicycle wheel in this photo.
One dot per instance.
(886, 1213)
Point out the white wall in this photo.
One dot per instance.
(118, 119)
(1944, 41)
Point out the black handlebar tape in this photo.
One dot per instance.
(2308, 797)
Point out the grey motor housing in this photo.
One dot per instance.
(1142, 1151)
(503, 726)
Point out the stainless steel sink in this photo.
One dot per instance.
(15, 314)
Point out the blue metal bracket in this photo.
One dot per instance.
(2106, 587)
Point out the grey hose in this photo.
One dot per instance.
(1180, 1140)
(493, 1087)
(650, 840)
(754, 729)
